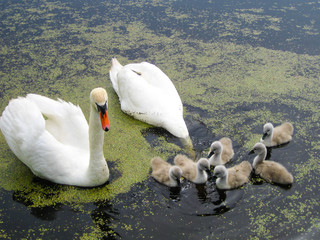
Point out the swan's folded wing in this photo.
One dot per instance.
(21, 123)
(64, 121)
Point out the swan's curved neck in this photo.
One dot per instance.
(96, 137)
(259, 158)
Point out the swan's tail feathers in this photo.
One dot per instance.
(115, 68)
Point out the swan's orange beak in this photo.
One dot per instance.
(104, 120)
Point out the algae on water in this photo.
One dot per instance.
(64, 49)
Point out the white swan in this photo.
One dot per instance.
(274, 136)
(220, 152)
(270, 171)
(62, 148)
(232, 177)
(165, 173)
(147, 94)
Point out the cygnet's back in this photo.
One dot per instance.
(189, 168)
(274, 172)
(283, 133)
(165, 173)
(227, 152)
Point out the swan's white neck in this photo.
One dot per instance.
(259, 158)
(98, 168)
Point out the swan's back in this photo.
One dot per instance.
(24, 129)
(64, 120)
(147, 94)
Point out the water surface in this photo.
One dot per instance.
(236, 66)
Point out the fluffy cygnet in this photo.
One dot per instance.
(273, 136)
(165, 173)
(220, 152)
(194, 172)
(232, 177)
(270, 171)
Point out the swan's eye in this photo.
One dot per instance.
(102, 108)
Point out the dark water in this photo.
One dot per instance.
(151, 210)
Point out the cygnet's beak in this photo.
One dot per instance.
(209, 173)
(264, 136)
(210, 154)
(251, 152)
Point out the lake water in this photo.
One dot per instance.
(236, 66)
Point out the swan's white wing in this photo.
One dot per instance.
(147, 94)
(153, 76)
(21, 123)
(64, 121)
(23, 127)
(145, 88)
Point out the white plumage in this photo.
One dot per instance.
(147, 94)
(59, 147)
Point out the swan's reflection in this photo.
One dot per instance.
(103, 216)
(47, 213)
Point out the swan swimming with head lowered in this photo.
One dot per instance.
(270, 171)
(194, 172)
(220, 152)
(274, 136)
(61, 147)
(233, 177)
(147, 94)
(165, 173)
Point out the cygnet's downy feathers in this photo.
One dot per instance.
(165, 173)
(232, 177)
(193, 171)
(270, 171)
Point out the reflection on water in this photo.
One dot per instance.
(103, 216)
(42, 213)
